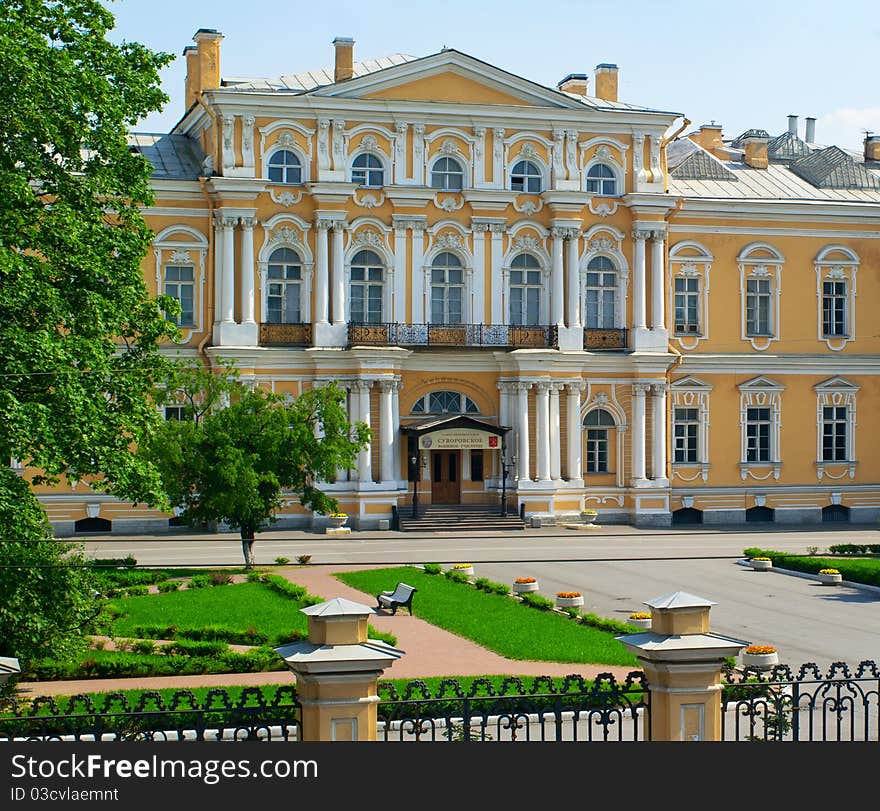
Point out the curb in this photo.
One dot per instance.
(807, 576)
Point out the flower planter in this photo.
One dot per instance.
(640, 623)
(523, 588)
(338, 521)
(761, 565)
(761, 661)
(588, 518)
(570, 602)
(830, 579)
(465, 570)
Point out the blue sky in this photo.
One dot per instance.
(741, 64)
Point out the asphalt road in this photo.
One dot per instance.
(617, 569)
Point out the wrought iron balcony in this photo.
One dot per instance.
(491, 336)
(604, 339)
(285, 334)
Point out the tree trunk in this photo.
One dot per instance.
(247, 546)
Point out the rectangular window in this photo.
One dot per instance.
(758, 307)
(834, 420)
(685, 429)
(834, 309)
(600, 300)
(174, 413)
(758, 435)
(597, 450)
(687, 306)
(476, 466)
(179, 285)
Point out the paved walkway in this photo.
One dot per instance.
(430, 651)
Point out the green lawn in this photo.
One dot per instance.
(498, 623)
(236, 607)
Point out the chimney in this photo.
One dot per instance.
(810, 135)
(606, 81)
(709, 136)
(574, 83)
(792, 124)
(755, 147)
(208, 50)
(192, 74)
(872, 147)
(344, 58)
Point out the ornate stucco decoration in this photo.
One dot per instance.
(285, 197)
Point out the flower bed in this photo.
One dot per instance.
(640, 619)
(523, 585)
(569, 599)
(761, 657)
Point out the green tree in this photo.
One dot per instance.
(79, 331)
(238, 448)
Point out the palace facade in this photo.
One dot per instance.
(543, 291)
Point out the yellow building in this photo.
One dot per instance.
(545, 292)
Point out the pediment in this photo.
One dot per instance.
(450, 76)
(690, 382)
(837, 384)
(760, 384)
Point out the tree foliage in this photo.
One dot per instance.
(78, 329)
(238, 448)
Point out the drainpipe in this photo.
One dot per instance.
(210, 319)
(686, 122)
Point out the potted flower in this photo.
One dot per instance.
(641, 619)
(338, 519)
(464, 568)
(830, 577)
(588, 516)
(524, 584)
(761, 564)
(762, 657)
(569, 599)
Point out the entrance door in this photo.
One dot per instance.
(445, 484)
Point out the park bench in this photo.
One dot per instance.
(401, 597)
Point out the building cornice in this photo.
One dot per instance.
(755, 364)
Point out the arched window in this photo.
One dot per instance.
(445, 402)
(525, 291)
(367, 287)
(447, 174)
(285, 167)
(367, 170)
(526, 177)
(601, 180)
(284, 287)
(597, 422)
(600, 294)
(447, 289)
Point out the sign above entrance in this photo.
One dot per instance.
(459, 438)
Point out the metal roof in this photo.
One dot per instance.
(686, 160)
(337, 607)
(739, 141)
(173, 157)
(787, 147)
(832, 168)
(679, 599)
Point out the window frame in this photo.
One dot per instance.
(446, 286)
(527, 287)
(601, 190)
(526, 177)
(368, 171)
(692, 300)
(603, 291)
(299, 166)
(179, 283)
(284, 282)
(446, 174)
(596, 425)
(367, 284)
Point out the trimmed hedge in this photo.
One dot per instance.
(533, 600)
(855, 549)
(484, 584)
(865, 571)
(433, 568)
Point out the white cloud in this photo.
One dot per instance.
(846, 127)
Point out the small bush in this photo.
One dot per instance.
(537, 601)
(135, 591)
(169, 585)
(484, 584)
(129, 561)
(255, 577)
(220, 578)
(143, 646)
(282, 561)
(456, 576)
(192, 648)
(303, 559)
(286, 588)
(433, 568)
(199, 581)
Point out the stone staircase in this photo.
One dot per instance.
(458, 518)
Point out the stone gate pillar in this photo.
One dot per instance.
(682, 661)
(337, 671)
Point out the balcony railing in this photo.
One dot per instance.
(493, 336)
(604, 339)
(285, 334)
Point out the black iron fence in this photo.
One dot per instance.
(251, 716)
(777, 705)
(570, 709)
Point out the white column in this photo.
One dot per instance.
(465, 465)
(386, 430)
(658, 450)
(573, 431)
(398, 314)
(503, 420)
(417, 273)
(395, 428)
(228, 294)
(496, 259)
(365, 457)
(479, 285)
(638, 433)
(555, 451)
(351, 406)
(218, 269)
(542, 429)
(638, 279)
(338, 273)
(574, 287)
(247, 270)
(658, 303)
(522, 429)
(322, 292)
(556, 282)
